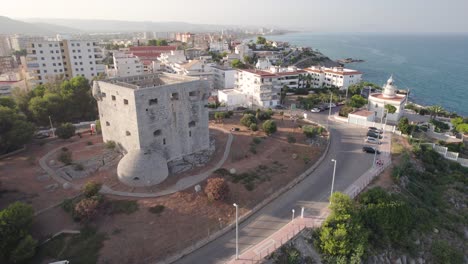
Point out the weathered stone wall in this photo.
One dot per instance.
(176, 122)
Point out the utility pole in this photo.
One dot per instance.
(333, 179)
(237, 231)
(51, 127)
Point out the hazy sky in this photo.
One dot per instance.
(320, 15)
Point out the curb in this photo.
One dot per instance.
(273, 196)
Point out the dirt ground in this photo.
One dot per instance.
(142, 236)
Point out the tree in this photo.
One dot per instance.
(15, 131)
(357, 101)
(312, 131)
(157, 42)
(462, 128)
(91, 189)
(253, 127)
(345, 111)
(86, 209)
(219, 116)
(236, 63)
(391, 109)
(456, 121)
(269, 127)
(342, 234)
(248, 119)
(7, 102)
(65, 131)
(15, 223)
(435, 110)
(404, 126)
(25, 250)
(261, 40)
(216, 189)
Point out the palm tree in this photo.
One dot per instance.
(435, 110)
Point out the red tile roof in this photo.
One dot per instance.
(398, 98)
(273, 74)
(152, 48)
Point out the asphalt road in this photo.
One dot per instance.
(312, 193)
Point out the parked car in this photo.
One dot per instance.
(331, 105)
(41, 135)
(280, 107)
(372, 140)
(370, 149)
(241, 108)
(235, 129)
(315, 110)
(376, 130)
(373, 134)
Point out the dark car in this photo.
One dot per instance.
(375, 130)
(235, 129)
(280, 107)
(369, 149)
(374, 135)
(241, 108)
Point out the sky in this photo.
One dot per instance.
(316, 15)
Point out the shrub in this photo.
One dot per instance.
(311, 131)
(25, 250)
(86, 209)
(91, 189)
(122, 206)
(89, 143)
(357, 101)
(248, 119)
(65, 157)
(253, 149)
(98, 127)
(291, 139)
(256, 140)
(79, 167)
(269, 127)
(442, 252)
(253, 127)
(345, 111)
(217, 189)
(157, 209)
(264, 115)
(65, 131)
(110, 144)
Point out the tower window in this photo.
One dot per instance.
(190, 133)
(127, 133)
(157, 132)
(191, 124)
(193, 93)
(113, 98)
(164, 141)
(107, 123)
(153, 101)
(125, 102)
(174, 96)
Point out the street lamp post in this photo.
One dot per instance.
(333, 179)
(52, 127)
(237, 231)
(329, 106)
(292, 219)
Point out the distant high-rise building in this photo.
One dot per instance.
(68, 58)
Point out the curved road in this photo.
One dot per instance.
(312, 193)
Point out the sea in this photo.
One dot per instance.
(434, 67)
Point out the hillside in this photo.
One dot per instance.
(11, 26)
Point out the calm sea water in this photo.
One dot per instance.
(433, 67)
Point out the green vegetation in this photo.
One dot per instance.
(460, 124)
(219, 116)
(217, 189)
(405, 127)
(269, 127)
(357, 88)
(439, 126)
(254, 127)
(65, 157)
(16, 244)
(110, 144)
(237, 64)
(248, 119)
(80, 249)
(260, 174)
(391, 109)
(157, 209)
(290, 255)
(157, 42)
(67, 101)
(291, 139)
(442, 252)
(91, 189)
(312, 131)
(345, 111)
(65, 131)
(261, 40)
(15, 130)
(256, 140)
(357, 101)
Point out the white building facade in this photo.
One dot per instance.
(223, 77)
(337, 76)
(378, 101)
(68, 58)
(126, 65)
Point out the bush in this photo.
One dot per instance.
(312, 131)
(25, 250)
(248, 119)
(357, 101)
(269, 127)
(65, 131)
(110, 144)
(264, 115)
(91, 189)
(345, 111)
(65, 157)
(98, 127)
(86, 209)
(256, 140)
(79, 167)
(442, 252)
(122, 206)
(253, 149)
(253, 127)
(291, 139)
(89, 143)
(157, 209)
(217, 189)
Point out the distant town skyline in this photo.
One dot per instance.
(321, 16)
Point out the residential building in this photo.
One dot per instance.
(195, 68)
(243, 50)
(126, 65)
(223, 77)
(68, 58)
(186, 37)
(155, 119)
(219, 46)
(5, 47)
(337, 76)
(20, 42)
(389, 96)
(7, 64)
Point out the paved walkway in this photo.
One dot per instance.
(180, 185)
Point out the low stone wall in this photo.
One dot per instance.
(4, 156)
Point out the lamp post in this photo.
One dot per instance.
(292, 219)
(237, 231)
(52, 127)
(333, 179)
(329, 106)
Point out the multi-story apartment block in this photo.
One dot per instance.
(7, 64)
(154, 118)
(20, 42)
(5, 47)
(337, 76)
(126, 65)
(223, 77)
(68, 58)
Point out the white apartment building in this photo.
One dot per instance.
(126, 65)
(19, 42)
(337, 76)
(219, 46)
(68, 58)
(223, 77)
(243, 50)
(5, 48)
